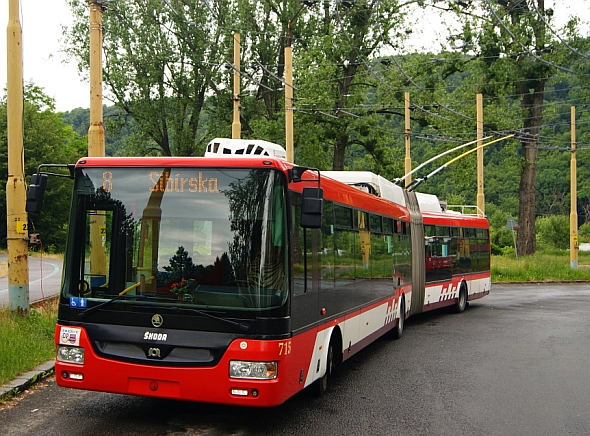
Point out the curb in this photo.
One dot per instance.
(26, 380)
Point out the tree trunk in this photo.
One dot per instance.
(339, 152)
(532, 107)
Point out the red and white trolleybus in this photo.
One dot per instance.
(239, 278)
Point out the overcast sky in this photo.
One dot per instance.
(41, 21)
(43, 63)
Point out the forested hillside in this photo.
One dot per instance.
(457, 184)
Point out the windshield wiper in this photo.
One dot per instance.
(96, 308)
(241, 326)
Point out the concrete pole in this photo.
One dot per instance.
(289, 89)
(407, 131)
(96, 145)
(289, 102)
(96, 129)
(16, 217)
(236, 126)
(574, 246)
(481, 205)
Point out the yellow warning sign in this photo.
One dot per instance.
(22, 227)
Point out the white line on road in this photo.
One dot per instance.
(52, 273)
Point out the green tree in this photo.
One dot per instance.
(161, 59)
(46, 139)
(517, 55)
(337, 77)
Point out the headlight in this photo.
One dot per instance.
(252, 370)
(70, 354)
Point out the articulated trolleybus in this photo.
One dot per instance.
(239, 278)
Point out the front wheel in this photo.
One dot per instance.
(321, 385)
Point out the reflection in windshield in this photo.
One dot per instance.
(213, 238)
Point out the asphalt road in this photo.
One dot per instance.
(514, 363)
(44, 279)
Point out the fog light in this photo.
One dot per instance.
(76, 376)
(239, 392)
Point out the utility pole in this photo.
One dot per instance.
(289, 86)
(481, 205)
(96, 129)
(574, 246)
(16, 218)
(407, 131)
(236, 126)
(96, 146)
(289, 96)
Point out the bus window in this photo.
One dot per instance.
(387, 226)
(342, 216)
(375, 223)
(327, 248)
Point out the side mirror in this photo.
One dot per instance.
(296, 173)
(36, 192)
(312, 207)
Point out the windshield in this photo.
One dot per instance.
(201, 237)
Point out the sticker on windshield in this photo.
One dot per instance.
(69, 336)
(78, 302)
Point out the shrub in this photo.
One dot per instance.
(584, 232)
(553, 232)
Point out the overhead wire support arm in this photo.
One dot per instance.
(274, 76)
(248, 77)
(347, 113)
(325, 113)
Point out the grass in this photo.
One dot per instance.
(551, 265)
(26, 341)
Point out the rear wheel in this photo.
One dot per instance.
(398, 330)
(462, 299)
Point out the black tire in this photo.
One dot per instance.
(398, 330)
(321, 385)
(462, 299)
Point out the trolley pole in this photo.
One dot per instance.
(574, 246)
(96, 146)
(236, 126)
(407, 131)
(16, 217)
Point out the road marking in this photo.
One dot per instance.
(52, 273)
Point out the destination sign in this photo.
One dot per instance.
(168, 182)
